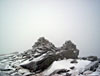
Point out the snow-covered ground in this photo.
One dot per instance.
(81, 66)
(66, 64)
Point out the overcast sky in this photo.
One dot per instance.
(22, 22)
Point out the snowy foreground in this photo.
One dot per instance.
(8, 67)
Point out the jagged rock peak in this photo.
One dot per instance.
(42, 42)
(68, 45)
(69, 50)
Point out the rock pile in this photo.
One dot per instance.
(50, 52)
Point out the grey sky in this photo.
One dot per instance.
(22, 22)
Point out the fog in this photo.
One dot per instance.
(22, 22)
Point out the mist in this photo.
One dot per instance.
(22, 22)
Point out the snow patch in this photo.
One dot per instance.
(65, 64)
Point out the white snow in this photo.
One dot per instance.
(36, 54)
(91, 64)
(39, 58)
(23, 71)
(65, 64)
(82, 63)
(25, 62)
(87, 72)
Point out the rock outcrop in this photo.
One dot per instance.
(44, 45)
(40, 47)
(69, 50)
(46, 53)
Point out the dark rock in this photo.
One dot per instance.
(5, 69)
(59, 72)
(67, 70)
(40, 47)
(84, 58)
(74, 61)
(68, 45)
(67, 74)
(45, 63)
(99, 60)
(92, 69)
(69, 50)
(30, 66)
(92, 58)
(67, 54)
(44, 45)
(72, 67)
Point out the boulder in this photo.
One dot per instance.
(1, 69)
(74, 61)
(40, 65)
(92, 58)
(46, 62)
(72, 67)
(67, 54)
(30, 66)
(84, 58)
(69, 50)
(60, 72)
(68, 45)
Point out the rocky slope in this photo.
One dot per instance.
(44, 59)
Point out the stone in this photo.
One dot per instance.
(58, 72)
(74, 61)
(30, 66)
(67, 74)
(69, 50)
(45, 63)
(72, 67)
(92, 58)
(68, 45)
(84, 58)
(1, 69)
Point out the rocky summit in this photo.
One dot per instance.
(45, 59)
